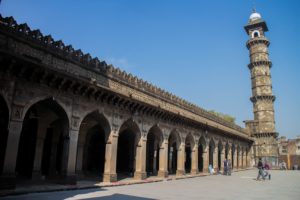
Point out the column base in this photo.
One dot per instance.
(140, 175)
(110, 178)
(162, 174)
(180, 172)
(205, 170)
(37, 176)
(67, 180)
(7, 182)
(194, 171)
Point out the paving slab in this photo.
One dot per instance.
(241, 185)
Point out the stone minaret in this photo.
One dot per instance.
(262, 128)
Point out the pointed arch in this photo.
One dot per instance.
(154, 143)
(220, 149)
(43, 140)
(44, 98)
(211, 149)
(128, 140)
(189, 147)
(201, 148)
(4, 120)
(174, 143)
(93, 134)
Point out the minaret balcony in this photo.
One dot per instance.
(257, 40)
(254, 99)
(259, 63)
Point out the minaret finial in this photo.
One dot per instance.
(253, 6)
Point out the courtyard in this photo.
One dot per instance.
(241, 185)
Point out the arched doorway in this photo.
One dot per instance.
(4, 116)
(201, 147)
(211, 153)
(129, 136)
(43, 140)
(220, 148)
(189, 145)
(232, 156)
(93, 133)
(154, 141)
(174, 141)
(226, 151)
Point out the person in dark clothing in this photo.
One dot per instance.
(260, 170)
(225, 167)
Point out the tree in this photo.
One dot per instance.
(226, 117)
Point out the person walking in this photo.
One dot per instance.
(260, 169)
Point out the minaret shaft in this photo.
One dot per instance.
(262, 128)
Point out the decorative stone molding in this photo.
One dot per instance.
(270, 98)
(260, 63)
(257, 40)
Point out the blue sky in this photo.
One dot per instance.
(194, 49)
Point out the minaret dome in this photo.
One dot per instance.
(254, 16)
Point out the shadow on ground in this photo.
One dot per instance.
(120, 197)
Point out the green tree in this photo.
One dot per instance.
(226, 117)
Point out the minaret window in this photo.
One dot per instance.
(255, 34)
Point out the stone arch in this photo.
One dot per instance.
(220, 149)
(189, 147)
(43, 141)
(93, 134)
(211, 149)
(255, 34)
(174, 144)
(4, 120)
(38, 99)
(5, 100)
(154, 143)
(201, 150)
(128, 140)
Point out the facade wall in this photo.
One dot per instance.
(63, 105)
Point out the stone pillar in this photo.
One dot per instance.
(163, 160)
(140, 165)
(111, 151)
(235, 159)
(205, 159)
(240, 159)
(215, 159)
(230, 156)
(80, 151)
(8, 178)
(71, 156)
(36, 174)
(39, 147)
(180, 160)
(222, 159)
(154, 161)
(248, 158)
(55, 139)
(195, 169)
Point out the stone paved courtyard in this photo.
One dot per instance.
(241, 185)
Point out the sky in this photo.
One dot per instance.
(194, 49)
